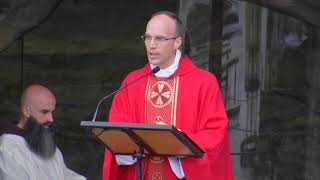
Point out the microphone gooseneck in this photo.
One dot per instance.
(154, 70)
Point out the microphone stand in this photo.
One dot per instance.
(154, 70)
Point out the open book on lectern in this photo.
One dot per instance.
(151, 139)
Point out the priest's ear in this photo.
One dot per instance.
(178, 42)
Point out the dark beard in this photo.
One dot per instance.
(40, 138)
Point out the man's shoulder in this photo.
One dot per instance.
(16, 147)
(138, 73)
(11, 140)
(188, 67)
(12, 145)
(10, 128)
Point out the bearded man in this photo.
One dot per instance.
(29, 151)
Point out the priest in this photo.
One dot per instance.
(180, 94)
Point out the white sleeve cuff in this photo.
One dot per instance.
(176, 167)
(125, 160)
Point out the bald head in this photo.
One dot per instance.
(39, 102)
(178, 25)
(35, 93)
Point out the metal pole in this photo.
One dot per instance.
(139, 157)
(21, 61)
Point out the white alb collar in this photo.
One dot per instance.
(169, 70)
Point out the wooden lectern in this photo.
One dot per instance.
(141, 140)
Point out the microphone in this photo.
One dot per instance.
(154, 70)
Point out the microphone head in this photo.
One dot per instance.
(155, 70)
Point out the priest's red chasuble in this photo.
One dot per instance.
(191, 100)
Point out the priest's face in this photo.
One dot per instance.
(40, 138)
(162, 41)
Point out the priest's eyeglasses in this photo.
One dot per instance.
(157, 39)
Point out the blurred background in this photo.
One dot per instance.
(266, 55)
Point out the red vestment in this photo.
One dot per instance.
(191, 100)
